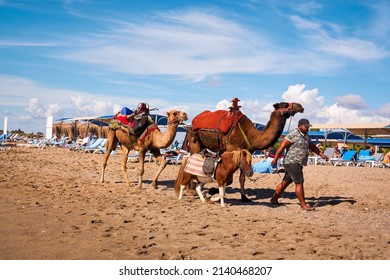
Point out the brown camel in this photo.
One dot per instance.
(155, 141)
(244, 135)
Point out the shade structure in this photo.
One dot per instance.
(362, 129)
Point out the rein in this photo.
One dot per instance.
(284, 110)
(254, 179)
(245, 137)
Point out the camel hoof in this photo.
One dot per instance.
(245, 199)
(154, 185)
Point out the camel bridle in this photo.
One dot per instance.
(285, 112)
(175, 121)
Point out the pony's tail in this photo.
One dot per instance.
(180, 176)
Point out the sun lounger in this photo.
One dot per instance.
(348, 158)
(329, 153)
(95, 146)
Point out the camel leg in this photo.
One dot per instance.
(125, 152)
(199, 191)
(244, 198)
(162, 162)
(141, 158)
(112, 142)
(104, 164)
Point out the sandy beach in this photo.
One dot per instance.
(53, 206)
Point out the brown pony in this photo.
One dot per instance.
(229, 163)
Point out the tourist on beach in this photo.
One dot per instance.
(298, 144)
(141, 119)
(87, 140)
(386, 159)
(336, 153)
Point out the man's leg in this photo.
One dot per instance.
(278, 191)
(300, 193)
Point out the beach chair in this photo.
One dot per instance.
(329, 153)
(175, 159)
(363, 158)
(377, 160)
(348, 158)
(61, 142)
(95, 146)
(35, 143)
(258, 154)
(42, 143)
(134, 157)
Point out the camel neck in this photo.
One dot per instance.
(271, 133)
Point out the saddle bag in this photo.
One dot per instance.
(209, 166)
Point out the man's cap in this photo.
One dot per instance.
(304, 122)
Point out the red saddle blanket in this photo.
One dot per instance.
(147, 131)
(219, 120)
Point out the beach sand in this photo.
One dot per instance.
(53, 206)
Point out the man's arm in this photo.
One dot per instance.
(317, 151)
(285, 144)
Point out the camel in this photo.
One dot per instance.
(244, 135)
(153, 142)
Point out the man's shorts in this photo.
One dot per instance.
(294, 173)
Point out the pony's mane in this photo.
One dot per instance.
(236, 156)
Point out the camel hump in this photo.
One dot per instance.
(219, 120)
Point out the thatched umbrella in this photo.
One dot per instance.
(85, 128)
(62, 128)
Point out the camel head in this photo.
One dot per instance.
(176, 116)
(288, 109)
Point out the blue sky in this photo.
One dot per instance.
(80, 58)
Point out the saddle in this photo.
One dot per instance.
(116, 124)
(202, 164)
(220, 120)
(149, 129)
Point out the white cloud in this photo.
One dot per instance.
(38, 110)
(357, 49)
(87, 106)
(304, 24)
(312, 103)
(380, 27)
(223, 105)
(349, 108)
(315, 108)
(193, 44)
(385, 110)
(351, 101)
(338, 114)
(323, 41)
(307, 7)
